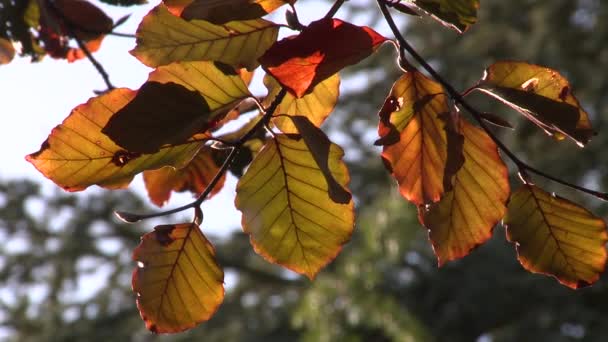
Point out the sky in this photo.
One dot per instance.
(35, 97)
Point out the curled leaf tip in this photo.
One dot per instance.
(128, 217)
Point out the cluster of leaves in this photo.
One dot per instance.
(66, 29)
(293, 194)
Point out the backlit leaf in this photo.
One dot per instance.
(87, 20)
(287, 210)
(163, 38)
(178, 101)
(542, 95)
(222, 11)
(315, 105)
(458, 15)
(77, 154)
(556, 237)
(194, 177)
(465, 216)
(322, 49)
(178, 281)
(412, 130)
(7, 51)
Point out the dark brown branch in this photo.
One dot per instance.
(71, 30)
(132, 218)
(458, 98)
(334, 9)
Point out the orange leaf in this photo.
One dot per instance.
(464, 217)
(178, 281)
(222, 11)
(319, 51)
(194, 177)
(412, 128)
(7, 51)
(556, 237)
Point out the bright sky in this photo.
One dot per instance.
(35, 97)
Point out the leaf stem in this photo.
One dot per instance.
(132, 218)
(458, 98)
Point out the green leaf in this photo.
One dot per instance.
(178, 101)
(412, 130)
(556, 237)
(287, 209)
(458, 15)
(163, 38)
(222, 11)
(77, 154)
(315, 105)
(466, 215)
(178, 281)
(542, 95)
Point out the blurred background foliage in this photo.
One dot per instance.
(385, 285)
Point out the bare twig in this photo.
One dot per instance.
(458, 98)
(334, 9)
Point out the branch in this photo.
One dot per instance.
(334, 9)
(70, 27)
(132, 218)
(458, 98)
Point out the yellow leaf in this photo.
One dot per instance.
(77, 155)
(194, 177)
(465, 216)
(458, 15)
(178, 281)
(412, 130)
(178, 101)
(556, 237)
(542, 95)
(163, 38)
(315, 105)
(287, 210)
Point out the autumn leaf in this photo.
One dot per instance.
(163, 38)
(7, 51)
(322, 49)
(465, 216)
(77, 154)
(178, 101)
(556, 237)
(316, 105)
(287, 209)
(412, 130)
(542, 95)
(458, 15)
(178, 281)
(194, 177)
(222, 11)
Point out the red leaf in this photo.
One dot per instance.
(322, 49)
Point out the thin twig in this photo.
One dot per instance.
(72, 33)
(131, 218)
(458, 98)
(334, 9)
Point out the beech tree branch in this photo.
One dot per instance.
(334, 9)
(236, 146)
(459, 99)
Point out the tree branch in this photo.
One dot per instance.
(334, 9)
(458, 98)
